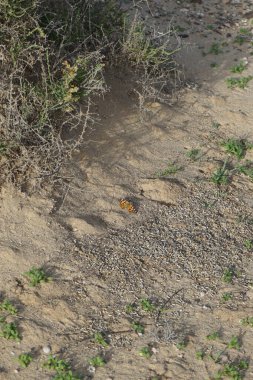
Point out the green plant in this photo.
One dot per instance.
(239, 40)
(238, 82)
(138, 327)
(147, 305)
(97, 361)
(56, 364)
(36, 276)
(243, 364)
(194, 154)
(6, 305)
(221, 175)
(9, 331)
(100, 339)
(213, 336)
(3, 148)
(228, 275)
(146, 352)
(248, 321)
(200, 354)
(130, 308)
(244, 36)
(246, 169)
(239, 68)
(234, 371)
(245, 31)
(227, 297)
(65, 376)
(248, 244)
(236, 148)
(61, 367)
(171, 169)
(234, 343)
(24, 360)
(182, 345)
(215, 49)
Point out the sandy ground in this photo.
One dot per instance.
(173, 251)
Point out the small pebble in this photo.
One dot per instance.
(91, 369)
(46, 349)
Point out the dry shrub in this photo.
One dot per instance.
(53, 55)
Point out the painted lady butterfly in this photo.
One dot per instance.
(127, 204)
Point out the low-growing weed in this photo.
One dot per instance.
(194, 154)
(248, 244)
(239, 39)
(138, 328)
(221, 175)
(24, 360)
(239, 68)
(36, 276)
(171, 169)
(234, 371)
(97, 361)
(213, 336)
(248, 321)
(239, 82)
(234, 343)
(246, 169)
(65, 376)
(244, 36)
(7, 306)
(61, 367)
(56, 364)
(9, 331)
(236, 147)
(229, 275)
(245, 31)
(100, 339)
(146, 352)
(147, 305)
(130, 308)
(215, 49)
(226, 297)
(200, 354)
(182, 345)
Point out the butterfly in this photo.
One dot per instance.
(127, 204)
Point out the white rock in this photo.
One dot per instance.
(46, 349)
(91, 369)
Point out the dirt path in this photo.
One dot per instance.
(181, 266)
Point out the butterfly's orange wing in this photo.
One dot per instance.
(123, 203)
